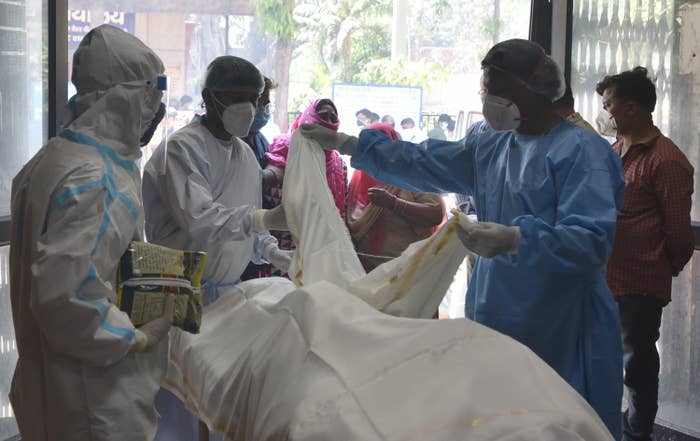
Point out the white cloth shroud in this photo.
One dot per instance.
(322, 361)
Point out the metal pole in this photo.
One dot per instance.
(58, 62)
(399, 30)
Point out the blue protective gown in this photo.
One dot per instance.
(564, 190)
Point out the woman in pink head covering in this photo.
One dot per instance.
(322, 112)
(384, 220)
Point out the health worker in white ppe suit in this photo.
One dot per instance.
(203, 191)
(84, 372)
(547, 197)
(208, 195)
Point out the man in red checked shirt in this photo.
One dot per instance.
(653, 241)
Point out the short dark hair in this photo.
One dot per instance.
(634, 85)
(444, 118)
(408, 121)
(385, 118)
(374, 117)
(567, 101)
(366, 112)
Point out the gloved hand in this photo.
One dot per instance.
(488, 239)
(149, 334)
(280, 259)
(273, 219)
(329, 139)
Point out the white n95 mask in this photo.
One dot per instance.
(500, 113)
(237, 118)
(607, 126)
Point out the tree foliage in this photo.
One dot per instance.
(466, 28)
(369, 44)
(276, 17)
(350, 40)
(402, 72)
(332, 27)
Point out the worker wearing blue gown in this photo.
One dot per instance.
(547, 196)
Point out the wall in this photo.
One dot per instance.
(170, 45)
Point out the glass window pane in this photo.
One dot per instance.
(613, 36)
(8, 348)
(432, 45)
(23, 88)
(23, 130)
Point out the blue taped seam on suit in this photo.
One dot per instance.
(106, 182)
(92, 274)
(125, 333)
(104, 150)
(103, 225)
(121, 332)
(69, 193)
(129, 204)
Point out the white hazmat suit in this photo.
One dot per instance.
(208, 197)
(205, 201)
(75, 207)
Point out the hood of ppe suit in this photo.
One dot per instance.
(115, 75)
(528, 62)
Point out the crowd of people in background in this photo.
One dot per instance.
(182, 110)
(444, 128)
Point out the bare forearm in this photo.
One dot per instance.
(418, 214)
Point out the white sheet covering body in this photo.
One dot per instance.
(411, 285)
(321, 361)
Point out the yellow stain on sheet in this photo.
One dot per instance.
(441, 237)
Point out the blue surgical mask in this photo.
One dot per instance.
(360, 123)
(262, 117)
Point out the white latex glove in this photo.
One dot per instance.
(280, 259)
(273, 219)
(152, 332)
(488, 239)
(330, 139)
